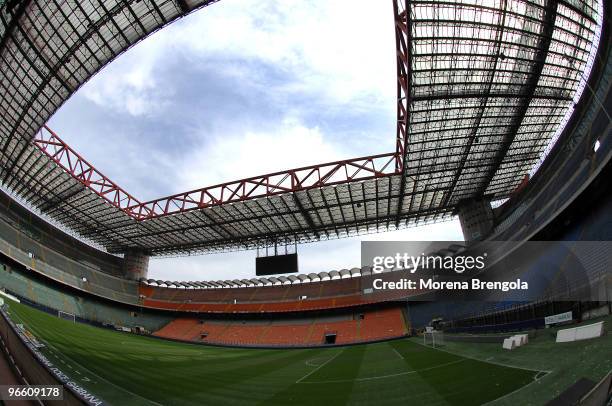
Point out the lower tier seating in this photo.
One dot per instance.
(365, 326)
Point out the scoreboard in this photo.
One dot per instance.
(276, 264)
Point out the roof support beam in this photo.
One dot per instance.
(483, 106)
(304, 213)
(255, 240)
(403, 42)
(548, 27)
(558, 96)
(16, 14)
(467, 94)
(182, 4)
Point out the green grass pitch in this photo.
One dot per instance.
(128, 369)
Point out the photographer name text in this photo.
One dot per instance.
(431, 284)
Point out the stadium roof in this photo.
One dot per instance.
(482, 89)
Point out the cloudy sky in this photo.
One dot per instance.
(242, 88)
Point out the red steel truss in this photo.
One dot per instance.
(420, 92)
(402, 41)
(75, 165)
(293, 180)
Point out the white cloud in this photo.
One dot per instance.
(343, 52)
(340, 49)
(129, 84)
(332, 55)
(340, 56)
(232, 157)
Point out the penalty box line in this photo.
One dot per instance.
(319, 367)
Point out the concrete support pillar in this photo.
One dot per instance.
(135, 265)
(476, 217)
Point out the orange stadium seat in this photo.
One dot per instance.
(350, 328)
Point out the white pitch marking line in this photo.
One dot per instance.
(319, 367)
(536, 379)
(397, 352)
(310, 364)
(123, 389)
(371, 378)
(481, 360)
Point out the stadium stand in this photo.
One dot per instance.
(50, 268)
(45, 236)
(382, 323)
(348, 328)
(53, 297)
(446, 160)
(330, 288)
(573, 224)
(61, 257)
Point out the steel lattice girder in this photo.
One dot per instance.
(481, 90)
(289, 181)
(70, 161)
